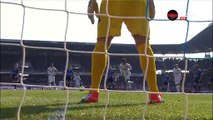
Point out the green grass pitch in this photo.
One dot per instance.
(49, 104)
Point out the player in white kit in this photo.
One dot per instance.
(125, 70)
(77, 79)
(177, 75)
(51, 71)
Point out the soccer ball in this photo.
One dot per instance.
(82, 87)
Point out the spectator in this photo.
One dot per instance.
(177, 77)
(51, 71)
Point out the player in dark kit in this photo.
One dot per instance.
(69, 76)
(111, 78)
(15, 74)
(197, 76)
(166, 78)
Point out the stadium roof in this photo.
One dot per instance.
(202, 42)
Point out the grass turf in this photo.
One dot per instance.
(44, 104)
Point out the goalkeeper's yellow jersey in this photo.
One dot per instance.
(122, 8)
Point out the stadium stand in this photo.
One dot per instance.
(38, 60)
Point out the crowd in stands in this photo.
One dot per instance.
(39, 60)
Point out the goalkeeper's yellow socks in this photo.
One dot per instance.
(98, 65)
(151, 73)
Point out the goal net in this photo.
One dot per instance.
(35, 34)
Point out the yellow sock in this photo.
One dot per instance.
(151, 73)
(98, 65)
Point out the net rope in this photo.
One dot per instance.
(65, 49)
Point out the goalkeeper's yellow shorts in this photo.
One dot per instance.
(123, 8)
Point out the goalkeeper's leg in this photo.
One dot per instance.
(151, 73)
(99, 62)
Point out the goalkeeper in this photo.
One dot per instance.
(139, 28)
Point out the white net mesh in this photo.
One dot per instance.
(65, 50)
